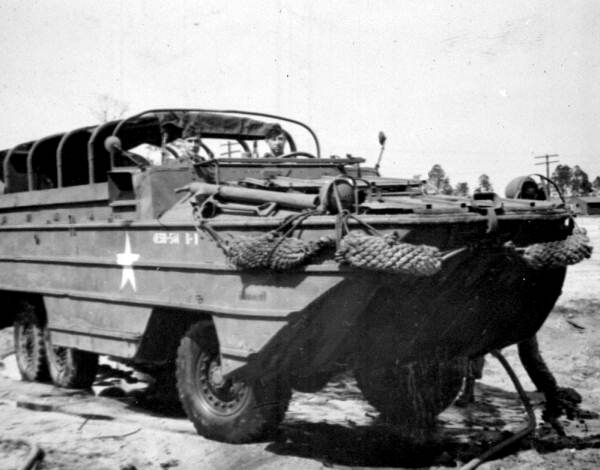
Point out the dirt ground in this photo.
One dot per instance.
(118, 427)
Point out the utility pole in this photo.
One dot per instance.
(230, 150)
(547, 163)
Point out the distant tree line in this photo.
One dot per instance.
(438, 182)
(574, 182)
(570, 181)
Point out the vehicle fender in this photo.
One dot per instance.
(11, 303)
(163, 333)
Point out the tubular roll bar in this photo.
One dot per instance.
(30, 155)
(60, 152)
(26, 146)
(116, 125)
(225, 111)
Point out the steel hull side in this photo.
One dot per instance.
(108, 278)
(313, 337)
(90, 301)
(105, 328)
(477, 303)
(306, 339)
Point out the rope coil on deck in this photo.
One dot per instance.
(556, 254)
(377, 252)
(272, 251)
(388, 254)
(384, 253)
(368, 249)
(371, 250)
(278, 251)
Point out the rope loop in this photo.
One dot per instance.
(275, 250)
(557, 254)
(388, 254)
(371, 250)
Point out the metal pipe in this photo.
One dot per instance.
(33, 458)
(238, 194)
(527, 429)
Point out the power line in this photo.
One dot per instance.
(230, 151)
(547, 162)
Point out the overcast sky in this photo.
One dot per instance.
(477, 86)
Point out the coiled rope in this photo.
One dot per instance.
(278, 251)
(386, 253)
(372, 250)
(556, 254)
(273, 250)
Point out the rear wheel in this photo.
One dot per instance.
(412, 395)
(69, 367)
(29, 344)
(224, 409)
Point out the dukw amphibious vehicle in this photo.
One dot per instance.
(241, 277)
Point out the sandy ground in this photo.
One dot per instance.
(117, 427)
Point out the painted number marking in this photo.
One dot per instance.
(175, 238)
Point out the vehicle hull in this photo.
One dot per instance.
(102, 283)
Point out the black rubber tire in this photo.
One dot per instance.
(69, 367)
(412, 395)
(227, 411)
(29, 344)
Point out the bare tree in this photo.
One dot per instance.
(108, 108)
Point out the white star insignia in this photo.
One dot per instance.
(126, 259)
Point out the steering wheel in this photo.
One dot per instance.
(297, 154)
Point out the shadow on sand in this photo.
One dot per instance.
(464, 433)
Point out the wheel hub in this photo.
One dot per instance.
(216, 376)
(224, 396)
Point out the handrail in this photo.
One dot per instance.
(56, 196)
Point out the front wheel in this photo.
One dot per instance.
(70, 368)
(224, 409)
(29, 344)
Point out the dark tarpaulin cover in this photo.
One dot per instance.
(216, 125)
